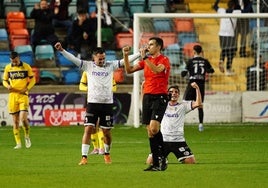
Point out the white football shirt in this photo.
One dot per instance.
(172, 124)
(99, 78)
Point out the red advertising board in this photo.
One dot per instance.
(64, 117)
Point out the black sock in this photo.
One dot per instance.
(201, 115)
(156, 144)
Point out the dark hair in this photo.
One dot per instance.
(98, 50)
(174, 87)
(197, 48)
(158, 41)
(81, 11)
(13, 55)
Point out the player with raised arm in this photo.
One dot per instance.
(156, 68)
(99, 96)
(172, 125)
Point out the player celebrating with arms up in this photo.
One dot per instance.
(156, 74)
(99, 96)
(172, 125)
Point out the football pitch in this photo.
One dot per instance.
(229, 155)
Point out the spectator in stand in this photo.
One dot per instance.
(173, 5)
(61, 15)
(227, 36)
(43, 30)
(106, 10)
(83, 34)
(242, 27)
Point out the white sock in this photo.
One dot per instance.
(106, 148)
(85, 149)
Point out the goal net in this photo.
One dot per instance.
(181, 31)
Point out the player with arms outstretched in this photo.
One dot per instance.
(99, 96)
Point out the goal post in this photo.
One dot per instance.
(143, 24)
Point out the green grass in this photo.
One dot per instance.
(227, 156)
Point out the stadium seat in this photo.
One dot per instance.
(91, 7)
(16, 25)
(157, 6)
(175, 53)
(169, 38)
(15, 16)
(162, 25)
(119, 10)
(4, 59)
(11, 6)
(119, 75)
(15, 20)
(110, 55)
(136, 6)
(184, 24)
(26, 53)
(4, 40)
(72, 9)
(124, 39)
(188, 49)
(44, 51)
(62, 61)
(29, 5)
(71, 76)
(185, 37)
(145, 38)
(48, 77)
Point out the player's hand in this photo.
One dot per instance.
(126, 50)
(194, 85)
(143, 51)
(58, 46)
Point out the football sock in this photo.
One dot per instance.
(106, 148)
(154, 149)
(26, 129)
(201, 115)
(160, 143)
(16, 133)
(100, 139)
(94, 140)
(85, 149)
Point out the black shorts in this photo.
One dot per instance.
(153, 107)
(103, 112)
(190, 92)
(180, 150)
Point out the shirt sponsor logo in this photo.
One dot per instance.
(94, 73)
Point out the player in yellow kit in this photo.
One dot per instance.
(19, 78)
(97, 136)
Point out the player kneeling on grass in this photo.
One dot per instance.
(172, 126)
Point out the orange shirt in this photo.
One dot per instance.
(156, 83)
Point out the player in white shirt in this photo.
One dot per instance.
(99, 96)
(172, 125)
